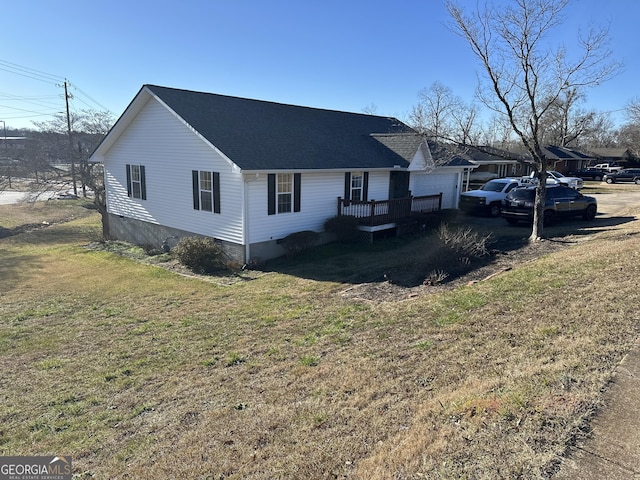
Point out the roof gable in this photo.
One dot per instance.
(259, 135)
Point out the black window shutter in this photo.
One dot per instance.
(347, 188)
(195, 180)
(143, 183)
(129, 180)
(271, 193)
(216, 192)
(365, 187)
(297, 178)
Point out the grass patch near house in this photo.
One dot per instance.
(138, 372)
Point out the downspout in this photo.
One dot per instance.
(245, 220)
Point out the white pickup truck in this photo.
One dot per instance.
(608, 167)
(556, 178)
(488, 198)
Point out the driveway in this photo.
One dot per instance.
(9, 197)
(617, 200)
(613, 201)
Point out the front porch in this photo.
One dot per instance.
(378, 215)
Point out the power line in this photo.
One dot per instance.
(19, 117)
(75, 87)
(32, 100)
(47, 107)
(29, 72)
(22, 109)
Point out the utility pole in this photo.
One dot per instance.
(71, 149)
(83, 171)
(6, 150)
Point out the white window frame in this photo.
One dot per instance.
(284, 192)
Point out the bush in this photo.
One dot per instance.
(344, 227)
(464, 241)
(298, 242)
(200, 254)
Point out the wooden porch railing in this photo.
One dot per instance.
(373, 213)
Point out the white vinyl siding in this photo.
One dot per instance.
(170, 152)
(319, 201)
(437, 182)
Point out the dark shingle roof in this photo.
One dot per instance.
(259, 135)
(463, 155)
(403, 144)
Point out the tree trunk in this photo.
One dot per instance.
(106, 234)
(538, 205)
(100, 201)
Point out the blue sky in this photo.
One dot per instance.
(335, 54)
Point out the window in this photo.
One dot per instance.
(136, 183)
(206, 190)
(356, 186)
(283, 191)
(503, 170)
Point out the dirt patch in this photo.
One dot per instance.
(391, 284)
(394, 289)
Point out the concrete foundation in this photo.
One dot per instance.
(138, 232)
(160, 236)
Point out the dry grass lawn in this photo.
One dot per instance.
(137, 372)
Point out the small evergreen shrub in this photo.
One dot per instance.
(344, 227)
(199, 254)
(298, 242)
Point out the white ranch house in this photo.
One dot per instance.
(248, 173)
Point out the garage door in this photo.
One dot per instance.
(433, 183)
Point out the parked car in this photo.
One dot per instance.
(609, 167)
(487, 199)
(590, 173)
(626, 175)
(556, 178)
(560, 201)
(573, 182)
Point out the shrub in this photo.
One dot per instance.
(432, 220)
(464, 241)
(344, 227)
(200, 254)
(298, 242)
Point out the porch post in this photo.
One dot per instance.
(372, 213)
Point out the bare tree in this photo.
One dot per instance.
(88, 129)
(633, 111)
(465, 120)
(524, 76)
(629, 136)
(601, 133)
(629, 133)
(567, 124)
(432, 115)
(498, 132)
(370, 109)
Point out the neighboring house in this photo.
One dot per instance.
(620, 156)
(11, 148)
(491, 163)
(566, 159)
(248, 173)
